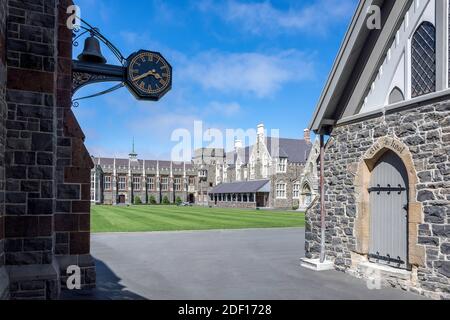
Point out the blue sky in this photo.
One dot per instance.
(236, 64)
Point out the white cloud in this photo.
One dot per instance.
(224, 109)
(263, 18)
(252, 73)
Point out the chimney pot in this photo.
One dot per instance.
(307, 135)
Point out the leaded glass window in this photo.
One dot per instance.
(423, 67)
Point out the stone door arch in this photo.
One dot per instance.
(416, 253)
(389, 212)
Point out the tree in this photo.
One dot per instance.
(166, 200)
(178, 201)
(137, 200)
(152, 200)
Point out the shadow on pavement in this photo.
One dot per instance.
(108, 287)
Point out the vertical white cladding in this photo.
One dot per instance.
(396, 68)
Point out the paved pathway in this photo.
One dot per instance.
(242, 264)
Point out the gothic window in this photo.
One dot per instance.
(396, 96)
(423, 66)
(306, 192)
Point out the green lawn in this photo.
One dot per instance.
(171, 218)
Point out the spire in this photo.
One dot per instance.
(133, 155)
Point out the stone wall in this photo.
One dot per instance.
(30, 146)
(230, 204)
(3, 112)
(294, 174)
(425, 131)
(47, 168)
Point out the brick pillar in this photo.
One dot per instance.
(73, 172)
(30, 147)
(4, 278)
(46, 168)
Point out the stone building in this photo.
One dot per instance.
(44, 166)
(285, 168)
(122, 181)
(291, 176)
(386, 110)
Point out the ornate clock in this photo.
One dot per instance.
(149, 75)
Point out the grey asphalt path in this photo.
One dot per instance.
(239, 264)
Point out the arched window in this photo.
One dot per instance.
(396, 96)
(307, 194)
(423, 66)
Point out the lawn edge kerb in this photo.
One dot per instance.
(114, 219)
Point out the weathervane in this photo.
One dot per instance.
(146, 74)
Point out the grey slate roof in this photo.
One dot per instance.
(240, 187)
(295, 150)
(149, 164)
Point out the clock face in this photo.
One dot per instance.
(149, 75)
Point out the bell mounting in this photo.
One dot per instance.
(91, 66)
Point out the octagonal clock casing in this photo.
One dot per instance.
(153, 72)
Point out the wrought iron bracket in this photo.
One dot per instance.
(84, 73)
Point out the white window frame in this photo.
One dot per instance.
(282, 165)
(137, 183)
(151, 183)
(296, 190)
(93, 181)
(122, 182)
(107, 183)
(281, 190)
(164, 184)
(177, 183)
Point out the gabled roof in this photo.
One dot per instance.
(242, 187)
(357, 63)
(295, 150)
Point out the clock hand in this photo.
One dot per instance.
(142, 76)
(149, 73)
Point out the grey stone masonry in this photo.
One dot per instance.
(4, 280)
(425, 131)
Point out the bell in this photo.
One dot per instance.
(92, 51)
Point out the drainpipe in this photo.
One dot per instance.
(322, 198)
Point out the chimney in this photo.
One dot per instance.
(307, 136)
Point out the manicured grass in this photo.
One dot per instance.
(171, 218)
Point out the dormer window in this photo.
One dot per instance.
(282, 165)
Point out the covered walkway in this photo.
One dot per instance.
(244, 194)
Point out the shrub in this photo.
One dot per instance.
(137, 200)
(295, 208)
(166, 200)
(178, 201)
(152, 200)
